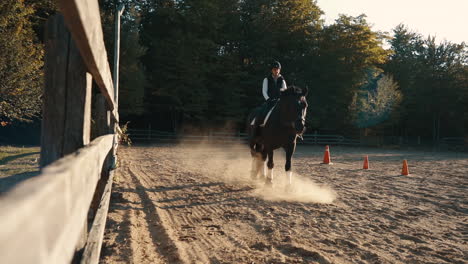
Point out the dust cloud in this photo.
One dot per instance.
(302, 190)
(231, 164)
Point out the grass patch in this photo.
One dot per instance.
(6, 151)
(16, 165)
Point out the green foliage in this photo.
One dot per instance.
(347, 50)
(208, 58)
(201, 62)
(21, 61)
(190, 61)
(375, 101)
(432, 78)
(282, 30)
(132, 75)
(17, 161)
(133, 79)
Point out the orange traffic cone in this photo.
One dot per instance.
(326, 156)
(405, 171)
(366, 163)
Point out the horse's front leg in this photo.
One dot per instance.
(258, 164)
(287, 167)
(270, 164)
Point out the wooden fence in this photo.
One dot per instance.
(47, 219)
(453, 144)
(148, 135)
(151, 135)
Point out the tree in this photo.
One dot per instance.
(21, 61)
(132, 75)
(404, 66)
(429, 74)
(347, 50)
(437, 89)
(192, 59)
(375, 102)
(277, 30)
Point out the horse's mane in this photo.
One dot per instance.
(292, 90)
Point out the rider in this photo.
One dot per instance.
(273, 84)
(272, 87)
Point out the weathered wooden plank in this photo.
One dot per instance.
(77, 131)
(67, 95)
(57, 40)
(96, 235)
(84, 21)
(42, 217)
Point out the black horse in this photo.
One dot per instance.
(285, 123)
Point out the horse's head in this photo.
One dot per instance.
(294, 108)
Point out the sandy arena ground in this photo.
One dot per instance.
(196, 204)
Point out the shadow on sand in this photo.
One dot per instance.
(7, 183)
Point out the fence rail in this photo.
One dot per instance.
(45, 218)
(454, 143)
(145, 135)
(316, 139)
(42, 218)
(84, 22)
(149, 135)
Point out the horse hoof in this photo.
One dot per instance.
(253, 175)
(268, 183)
(288, 188)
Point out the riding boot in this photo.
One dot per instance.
(260, 118)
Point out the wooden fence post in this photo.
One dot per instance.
(66, 119)
(57, 40)
(78, 112)
(67, 95)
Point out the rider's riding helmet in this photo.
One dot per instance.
(275, 64)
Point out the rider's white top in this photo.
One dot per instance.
(265, 87)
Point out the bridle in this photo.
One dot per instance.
(301, 118)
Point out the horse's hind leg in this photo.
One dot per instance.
(270, 164)
(254, 168)
(261, 165)
(257, 166)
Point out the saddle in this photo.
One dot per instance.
(264, 114)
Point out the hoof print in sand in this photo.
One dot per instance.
(305, 254)
(411, 238)
(228, 215)
(187, 228)
(214, 230)
(187, 238)
(261, 246)
(267, 230)
(188, 233)
(206, 219)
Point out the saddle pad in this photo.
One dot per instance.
(266, 118)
